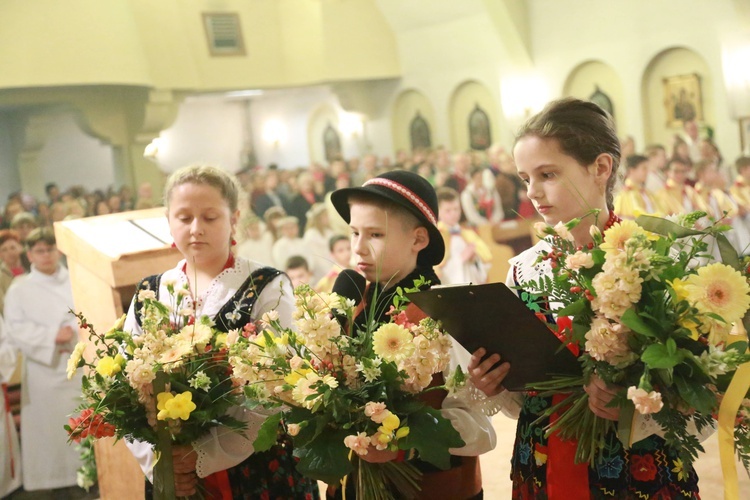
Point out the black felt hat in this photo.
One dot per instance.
(408, 190)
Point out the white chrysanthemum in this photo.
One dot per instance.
(139, 373)
(197, 334)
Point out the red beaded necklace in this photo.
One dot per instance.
(613, 219)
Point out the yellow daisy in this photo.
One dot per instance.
(719, 289)
(392, 342)
(616, 236)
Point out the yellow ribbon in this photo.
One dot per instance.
(730, 405)
(343, 481)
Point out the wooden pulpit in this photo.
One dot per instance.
(107, 256)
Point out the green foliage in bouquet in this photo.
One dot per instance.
(648, 310)
(342, 395)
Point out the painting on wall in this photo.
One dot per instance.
(480, 136)
(331, 144)
(602, 100)
(419, 131)
(682, 98)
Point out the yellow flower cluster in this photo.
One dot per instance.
(174, 407)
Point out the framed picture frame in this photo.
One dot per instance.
(745, 135)
(602, 100)
(419, 133)
(480, 134)
(682, 99)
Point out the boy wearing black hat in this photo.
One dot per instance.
(395, 240)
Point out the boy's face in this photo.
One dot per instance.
(299, 275)
(745, 172)
(639, 174)
(44, 257)
(385, 248)
(342, 253)
(290, 231)
(450, 212)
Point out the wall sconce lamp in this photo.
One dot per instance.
(274, 132)
(151, 151)
(522, 95)
(737, 77)
(350, 124)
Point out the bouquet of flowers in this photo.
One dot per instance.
(343, 395)
(169, 385)
(648, 310)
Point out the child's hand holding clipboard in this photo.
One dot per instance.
(493, 317)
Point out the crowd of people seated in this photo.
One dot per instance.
(289, 222)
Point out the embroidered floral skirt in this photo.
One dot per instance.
(272, 475)
(648, 470)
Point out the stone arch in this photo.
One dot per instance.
(660, 70)
(597, 81)
(469, 97)
(407, 106)
(319, 120)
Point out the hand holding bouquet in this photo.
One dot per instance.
(651, 314)
(344, 396)
(168, 385)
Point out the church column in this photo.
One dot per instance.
(136, 119)
(35, 131)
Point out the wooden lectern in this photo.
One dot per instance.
(107, 256)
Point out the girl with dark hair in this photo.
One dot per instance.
(567, 156)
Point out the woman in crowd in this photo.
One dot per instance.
(202, 210)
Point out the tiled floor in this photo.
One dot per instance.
(496, 466)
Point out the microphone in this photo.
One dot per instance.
(350, 285)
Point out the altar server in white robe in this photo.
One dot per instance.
(40, 324)
(10, 452)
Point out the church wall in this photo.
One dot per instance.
(295, 109)
(69, 157)
(164, 45)
(627, 35)
(206, 130)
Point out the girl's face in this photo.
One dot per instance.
(385, 249)
(560, 187)
(201, 223)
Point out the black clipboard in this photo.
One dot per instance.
(493, 317)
